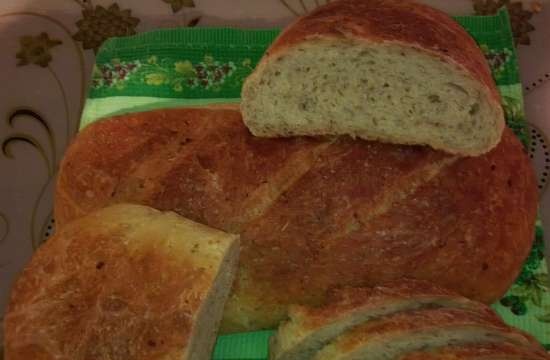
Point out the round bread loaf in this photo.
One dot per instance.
(312, 212)
(389, 70)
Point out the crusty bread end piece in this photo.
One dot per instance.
(394, 336)
(388, 70)
(309, 329)
(125, 282)
(401, 319)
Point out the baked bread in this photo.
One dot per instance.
(126, 282)
(313, 213)
(310, 329)
(388, 70)
(394, 336)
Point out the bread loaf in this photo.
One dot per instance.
(312, 213)
(389, 70)
(382, 317)
(126, 282)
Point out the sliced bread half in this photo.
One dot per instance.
(388, 70)
(125, 282)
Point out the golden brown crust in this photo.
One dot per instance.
(393, 21)
(339, 212)
(125, 282)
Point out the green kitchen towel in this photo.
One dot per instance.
(195, 66)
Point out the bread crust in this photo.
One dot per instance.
(313, 213)
(126, 282)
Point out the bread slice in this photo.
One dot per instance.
(491, 351)
(394, 336)
(309, 329)
(388, 70)
(125, 282)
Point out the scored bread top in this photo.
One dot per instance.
(398, 21)
(125, 282)
(312, 212)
